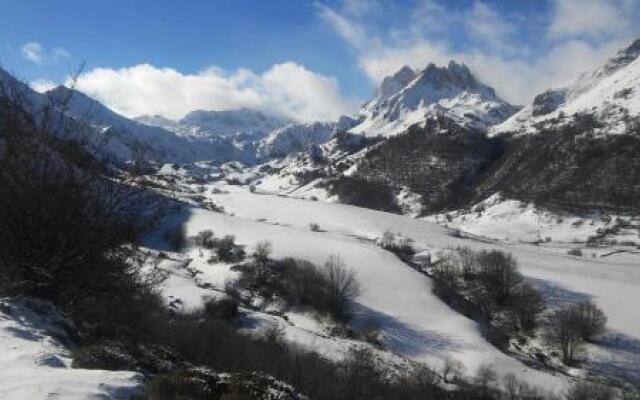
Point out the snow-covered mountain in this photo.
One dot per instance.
(295, 138)
(611, 94)
(409, 97)
(267, 136)
(126, 136)
(201, 124)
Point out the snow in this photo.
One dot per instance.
(294, 138)
(408, 98)
(414, 323)
(605, 92)
(513, 220)
(399, 296)
(34, 365)
(201, 124)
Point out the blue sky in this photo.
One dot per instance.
(305, 59)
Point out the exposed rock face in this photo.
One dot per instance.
(547, 102)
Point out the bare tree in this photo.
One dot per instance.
(204, 240)
(342, 286)
(261, 254)
(590, 319)
(486, 379)
(499, 274)
(511, 386)
(65, 216)
(388, 239)
(527, 305)
(564, 333)
(262, 251)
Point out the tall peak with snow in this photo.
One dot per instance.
(409, 97)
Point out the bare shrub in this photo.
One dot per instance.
(590, 319)
(486, 380)
(225, 308)
(342, 287)
(498, 272)
(527, 306)
(204, 240)
(564, 333)
(228, 250)
(575, 252)
(582, 390)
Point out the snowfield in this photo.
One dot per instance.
(34, 365)
(416, 324)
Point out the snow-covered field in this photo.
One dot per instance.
(413, 321)
(514, 221)
(34, 365)
(415, 324)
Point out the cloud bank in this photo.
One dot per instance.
(519, 52)
(288, 89)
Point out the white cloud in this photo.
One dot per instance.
(33, 52)
(590, 18)
(519, 60)
(351, 32)
(488, 26)
(288, 89)
(37, 54)
(42, 85)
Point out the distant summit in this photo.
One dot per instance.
(408, 97)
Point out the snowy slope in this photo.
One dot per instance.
(414, 323)
(511, 220)
(611, 93)
(409, 97)
(126, 135)
(611, 280)
(34, 365)
(295, 138)
(208, 124)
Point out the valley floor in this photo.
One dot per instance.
(415, 324)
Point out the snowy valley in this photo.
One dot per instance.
(243, 224)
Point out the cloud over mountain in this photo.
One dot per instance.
(519, 52)
(288, 89)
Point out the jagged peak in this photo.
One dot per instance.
(405, 74)
(623, 57)
(455, 76)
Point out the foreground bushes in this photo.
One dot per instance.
(329, 290)
(68, 222)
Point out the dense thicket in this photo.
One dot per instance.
(568, 164)
(441, 161)
(65, 219)
(571, 166)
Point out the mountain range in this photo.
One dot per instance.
(446, 136)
